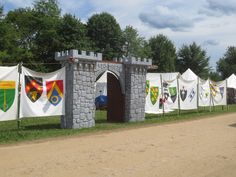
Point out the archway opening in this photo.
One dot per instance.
(109, 99)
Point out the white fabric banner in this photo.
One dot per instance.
(153, 93)
(170, 94)
(204, 96)
(218, 92)
(188, 94)
(9, 77)
(154, 87)
(42, 94)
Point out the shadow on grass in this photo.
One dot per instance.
(42, 127)
(101, 121)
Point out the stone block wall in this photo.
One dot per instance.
(135, 84)
(81, 72)
(80, 88)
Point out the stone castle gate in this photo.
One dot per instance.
(82, 70)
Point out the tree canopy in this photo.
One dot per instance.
(105, 34)
(163, 53)
(134, 45)
(194, 57)
(227, 64)
(33, 34)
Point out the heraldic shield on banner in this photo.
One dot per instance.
(173, 93)
(147, 86)
(7, 94)
(33, 87)
(183, 93)
(154, 94)
(54, 91)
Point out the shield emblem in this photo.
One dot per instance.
(173, 93)
(7, 94)
(33, 87)
(54, 91)
(192, 94)
(154, 94)
(222, 91)
(165, 90)
(213, 89)
(183, 93)
(147, 86)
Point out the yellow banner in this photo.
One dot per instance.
(7, 84)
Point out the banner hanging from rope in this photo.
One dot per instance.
(204, 97)
(218, 92)
(42, 94)
(188, 94)
(8, 93)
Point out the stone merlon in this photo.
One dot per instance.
(75, 55)
(136, 61)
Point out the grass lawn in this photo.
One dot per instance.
(48, 127)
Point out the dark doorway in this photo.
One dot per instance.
(115, 109)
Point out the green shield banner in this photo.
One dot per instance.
(173, 93)
(7, 94)
(154, 94)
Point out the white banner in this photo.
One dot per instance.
(170, 91)
(153, 93)
(42, 94)
(155, 83)
(218, 92)
(204, 96)
(8, 93)
(188, 94)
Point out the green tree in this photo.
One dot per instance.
(215, 76)
(73, 34)
(163, 53)
(134, 45)
(12, 48)
(194, 57)
(105, 34)
(24, 24)
(227, 64)
(47, 18)
(1, 12)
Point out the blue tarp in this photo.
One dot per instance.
(101, 102)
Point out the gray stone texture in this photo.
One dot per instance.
(81, 74)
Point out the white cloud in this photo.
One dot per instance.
(163, 17)
(210, 42)
(219, 8)
(207, 22)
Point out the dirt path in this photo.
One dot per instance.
(205, 147)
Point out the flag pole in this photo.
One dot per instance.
(19, 92)
(162, 95)
(198, 94)
(210, 93)
(178, 95)
(227, 106)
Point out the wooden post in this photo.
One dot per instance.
(19, 91)
(178, 95)
(162, 92)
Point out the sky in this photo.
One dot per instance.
(209, 23)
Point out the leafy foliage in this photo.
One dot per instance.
(73, 34)
(194, 57)
(105, 34)
(163, 53)
(134, 45)
(227, 64)
(215, 76)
